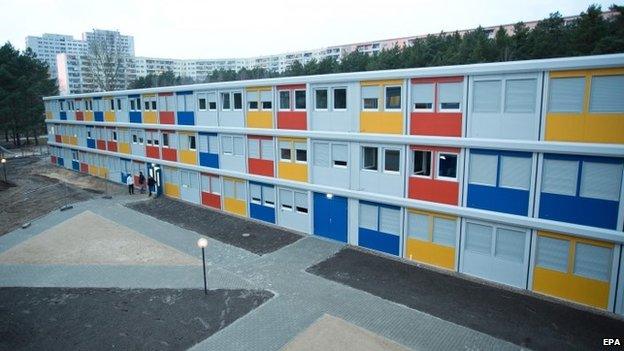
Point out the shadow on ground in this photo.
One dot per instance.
(524, 320)
(262, 239)
(105, 319)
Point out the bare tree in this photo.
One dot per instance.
(107, 63)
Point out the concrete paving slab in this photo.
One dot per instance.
(330, 333)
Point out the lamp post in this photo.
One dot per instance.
(202, 243)
(4, 168)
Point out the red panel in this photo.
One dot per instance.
(211, 200)
(292, 120)
(435, 148)
(166, 117)
(57, 138)
(84, 168)
(136, 181)
(112, 146)
(101, 144)
(439, 124)
(152, 151)
(260, 167)
(291, 86)
(262, 137)
(438, 80)
(165, 94)
(53, 159)
(434, 190)
(79, 116)
(169, 154)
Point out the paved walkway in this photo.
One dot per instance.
(300, 298)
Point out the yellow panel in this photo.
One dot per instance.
(73, 140)
(64, 139)
(238, 207)
(259, 119)
(429, 213)
(571, 287)
(293, 171)
(102, 172)
(430, 253)
(564, 127)
(150, 117)
(189, 157)
(296, 140)
(576, 239)
(172, 190)
(381, 82)
(580, 73)
(381, 122)
(48, 115)
(148, 95)
(88, 116)
(109, 116)
(124, 148)
(258, 88)
(93, 170)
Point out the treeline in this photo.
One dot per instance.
(590, 34)
(24, 81)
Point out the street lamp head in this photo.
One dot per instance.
(3, 160)
(202, 242)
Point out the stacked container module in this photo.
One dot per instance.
(509, 172)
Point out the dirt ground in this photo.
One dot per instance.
(36, 187)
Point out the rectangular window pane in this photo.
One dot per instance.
(422, 163)
(450, 96)
(255, 194)
(267, 105)
(301, 152)
(286, 199)
(447, 165)
(392, 160)
(268, 194)
(252, 105)
(389, 220)
(321, 154)
(510, 244)
(552, 253)
(566, 94)
(422, 96)
(515, 172)
(607, 94)
(284, 98)
(370, 97)
(238, 101)
(225, 101)
(393, 98)
(285, 150)
(239, 148)
(267, 149)
(483, 169)
(192, 145)
(226, 145)
(228, 188)
(301, 202)
(418, 226)
(593, 261)
(202, 104)
(601, 180)
(240, 191)
(254, 148)
(215, 185)
(205, 183)
(300, 100)
(213, 144)
(444, 230)
(369, 158)
(339, 155)
(340, 98)
(487, 96)
(478, 238)
(368, 216)
(559, 177)
(320, 99)
(520, 95)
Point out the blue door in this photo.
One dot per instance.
(262, 202)
(330, 217)
(154, 170)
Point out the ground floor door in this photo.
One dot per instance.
(330, 216)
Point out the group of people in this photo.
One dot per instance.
(151, 183)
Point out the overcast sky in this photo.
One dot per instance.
(235, 28)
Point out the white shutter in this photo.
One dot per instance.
(422, 93)
(286, 198)
(226, 145)
(301, 200)
(510, 244)
(184, 144)
(239, 148)
(240, 190)
(450, 93)
(566, 94)
(593, 261)
(487, 96)
(194, 177)
(552, 253)
(180, 102)
(559, 177)
(321, 154)
(418, 226)
(203, 143)
(268, 193)
(190, 102)
(389, 220)
(266, 95)
(213, 144)
(252, 96)
(607, 94)
(371, 92)
(479, 238)
(483, 169)
(444, 231)
(601, 180)
(339, 152)
(267, 149)
(228, 188)
(254, 148)
(184, 178)
(368, 217)
(215, 185)
(520, 95)
(205, 183)
(255, 193)
(515, 172)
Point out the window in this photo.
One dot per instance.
(321, 154)
(447, 165)
(191, 141)
(515, 172)
(339, 155)
(559, 177)
(286, 199)
(444, 230)
(284, 99)
(391, 160)
(212, 101)
(450, 96)
(215, 185)
(285, 150)
(478, 238)
(566, 94)
(253, 148)
(253, 105)
(132, 105)
(370, 98)
(268, 196)
(369, 158)
(112, 105)
(210, 184)
(239, 146)
(118, 104)
(240, 191)
(266, 149)
(165, 139)
(301, 202)
(418, 226)
(487, 96)
(601, 180)
(255, 194)
(422, 163)
(301, 152)
(238, 101)
(520, 95)
(483, 169)
(393, 98)
(225, 101)
(229, 189)
(320, 100)
(267, 105)
(510, 244)
(607, 94)
(201, 103)
(422, 97)
(340, 98)
(593, 261)
(300, 99)
(552, 253)
(368, 216)
(389, 220)
(153, 104)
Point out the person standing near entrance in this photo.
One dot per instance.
(142, 182)
(130, 183)
(150, 184)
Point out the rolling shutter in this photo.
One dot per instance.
(483, 169)
(510, 244)
(339, 153)
(255, 193)
(607, 94)
(268, 193)
(552, 253)
(566, 94)
(479, 238)
(389, 220)
(228, 188)
(321, 154)
(240, 191)
(301, 201)
(418, 226)
(520, 95)
(450, 93)
(515, 172)
(267, 149)
(487, 96)
(213, 144)
(593, 261)
(203, 143)
(205, 183)
(601, 180)
(254, 148)
(559, 177)
(239, 148)
(368, 216)
(444, 230)
(422, 94)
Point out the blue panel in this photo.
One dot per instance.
(330, 217)
(579, 210)
(379, 241)
(208, 160)
(187, 92)
(505, 200)
(134, 96)
(63, 116)
(98, 116)
(91, 143)
(75, 165)
(60, 161)
(124, 176)
(135, 117)
(262, 213)
(186, 118)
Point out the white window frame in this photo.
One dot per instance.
(439, 103)
(327, 90)
(333, 104)
(379, 159)
(200, 96)
(413, 159)
(433, 102)
(294, 100)
(384, 170)
(279, 100)
(437, 164)
(385, 88)
(294, 154)
(233, 101)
